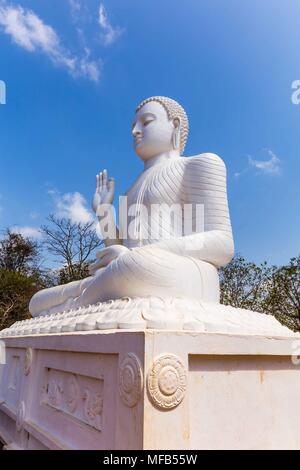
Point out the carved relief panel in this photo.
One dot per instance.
(75, 395)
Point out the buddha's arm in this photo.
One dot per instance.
(108, 227)
(215, 247)
(204, 183)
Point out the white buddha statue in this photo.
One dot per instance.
(158, 259)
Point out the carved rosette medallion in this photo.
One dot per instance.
(167, 380)
(28, 360)
(20, 417)
(130, 380)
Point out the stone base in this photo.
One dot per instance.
(149, 390)
(140, 313)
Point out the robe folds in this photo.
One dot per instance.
(166, 258)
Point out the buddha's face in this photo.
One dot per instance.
(152, 131)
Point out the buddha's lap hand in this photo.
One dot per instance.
(106, 256)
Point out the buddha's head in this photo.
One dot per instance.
(161, 125)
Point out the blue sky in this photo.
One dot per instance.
(75, 71)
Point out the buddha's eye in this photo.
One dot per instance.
(147, 122)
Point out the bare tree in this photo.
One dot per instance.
(72, 243)
(5, 309)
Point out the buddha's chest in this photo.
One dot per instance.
(158, 187)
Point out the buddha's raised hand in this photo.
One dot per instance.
(105, 190)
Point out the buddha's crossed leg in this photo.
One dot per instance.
(142, 272)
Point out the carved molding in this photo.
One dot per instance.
(167, 381)
(130, 380)
(28, 361)
(20, 416)
(154, 313)
(14, 375)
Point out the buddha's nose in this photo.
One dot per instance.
(136, 131)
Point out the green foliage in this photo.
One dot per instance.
(283, 300)
(265, 289)
(78, 271)
(16, 289)
(20, 272)
(245, 284)
(20, 277)
(18, 253)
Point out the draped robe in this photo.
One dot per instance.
(163, 260)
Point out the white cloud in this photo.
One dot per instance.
(51, 191)
(29, 31)
(109, 34)
(28, 232)
(270, 166)
(76, 10)
(75, 5)
(71, 206)
(34, 215)
(90, 69)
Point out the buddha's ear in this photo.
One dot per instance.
(176, 133)
(176, 123)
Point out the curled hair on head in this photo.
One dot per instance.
(174, 110)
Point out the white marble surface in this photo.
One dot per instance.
(145, 333)
(150, 390)
(153, 313)
(150, 254)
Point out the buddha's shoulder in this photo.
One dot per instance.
(203, 158)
